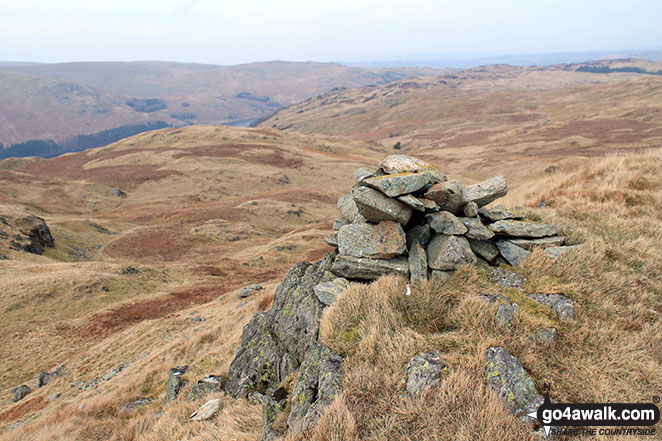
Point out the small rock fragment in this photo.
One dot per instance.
(208, 410)
(471, 209)
(248, 290)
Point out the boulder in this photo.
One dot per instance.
(328, 292)
(381, 241)
(511, 382)
(512, 253)
(20, 392)
(542, 242)
(274, 343)
(402, 183)
(523, 229)
(475, 229)
(470, 210)
(498, 213)
(394, 164)
(485, 249)
(175, 382)
(563, 306)
(375, 206)
(418, 263)
(447, 195)
(449, 252)
(423, 371)
(369, 269)
(208, 410)
(483, 193)
(248, 290)
(555, 252)
(446, 223)
(317, 385)
(420, 234)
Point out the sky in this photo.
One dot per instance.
(242, 31)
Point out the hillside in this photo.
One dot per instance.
(490, 119)
(155, 236)
(59, 101)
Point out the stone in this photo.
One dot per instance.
(546, 336)
(44, 378)
(523, 229)
(447, 195)
(424, 370)
(375, 206)
(208, 410)
(209, 384)
(418, 264)
(420, 234)
(446, 223)
(136, 404)
(197, 319)
(130, 270)
(20, 392)
(442, 276)
(363, 172)
(394, 164)
(332, 240)
(475, 229)
(498, 213)
(248, 290)
(556, 252)
(347, 207)
(512, 253)
(175, 382)
(117, 192)
(54, 396)
(274, 342)
(470, 210)
(563, 306)
(393, 185)
(485, 249)
(316, 387)
(512, 383)
(483, 193)
(381, 241)
(35, 235)
(506, 310)
(328, 292)
(369, 269)
(449, 252)
(339, 222)
(507, 278)
(270, 410)
(542, 242)
(412, 201)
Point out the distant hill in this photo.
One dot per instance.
(61, 101)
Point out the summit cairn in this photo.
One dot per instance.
(405, 217)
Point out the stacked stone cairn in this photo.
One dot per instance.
(405, 217)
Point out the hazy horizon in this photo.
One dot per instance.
(225, 33)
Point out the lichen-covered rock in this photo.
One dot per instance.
(209, 384)
(413, 202)
(270, 410)
(485, 249)
(511, 382)
(507, 278)
(248, 290)
(317, 385)
(375, 206)
(542, 242)
(347, 207)
(328, 292)
(393, 185)
(423, 371)
(447, 195)
(275, 342)
(394, 164)
(449, 252)
(506, 310)
(369, 269)
(498, 213)
(475, 229)
(418, 263)
(563, 306)
(332, 240)
(483, 193)
(523, 229)
(175, 382)
(445, 222)
(512, 253)
(420, 234)
(381, 241)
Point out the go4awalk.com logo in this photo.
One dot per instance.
(634, 419)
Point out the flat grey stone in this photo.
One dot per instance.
(369, 269)
(375, 206)
(523, 229)
(475, 229)
(328, 292)
(381, 241)
(449, 252)
(363, 172)
(447, 195)
(512, 253)
(506, 278)
(347, 207)
(339, 222)
(506, 310)
(394, 164)
(332, 240)
(175, 382)
(445, 222)
(418, 263)
(402, 183)
(485, 249)
(542, 242)
(412, 201)
(483, 193)
(498, 213)
(248, 290)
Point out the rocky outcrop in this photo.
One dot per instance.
(34, 235)
(20, 392)
(175, 382)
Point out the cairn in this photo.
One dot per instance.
(405, 217)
